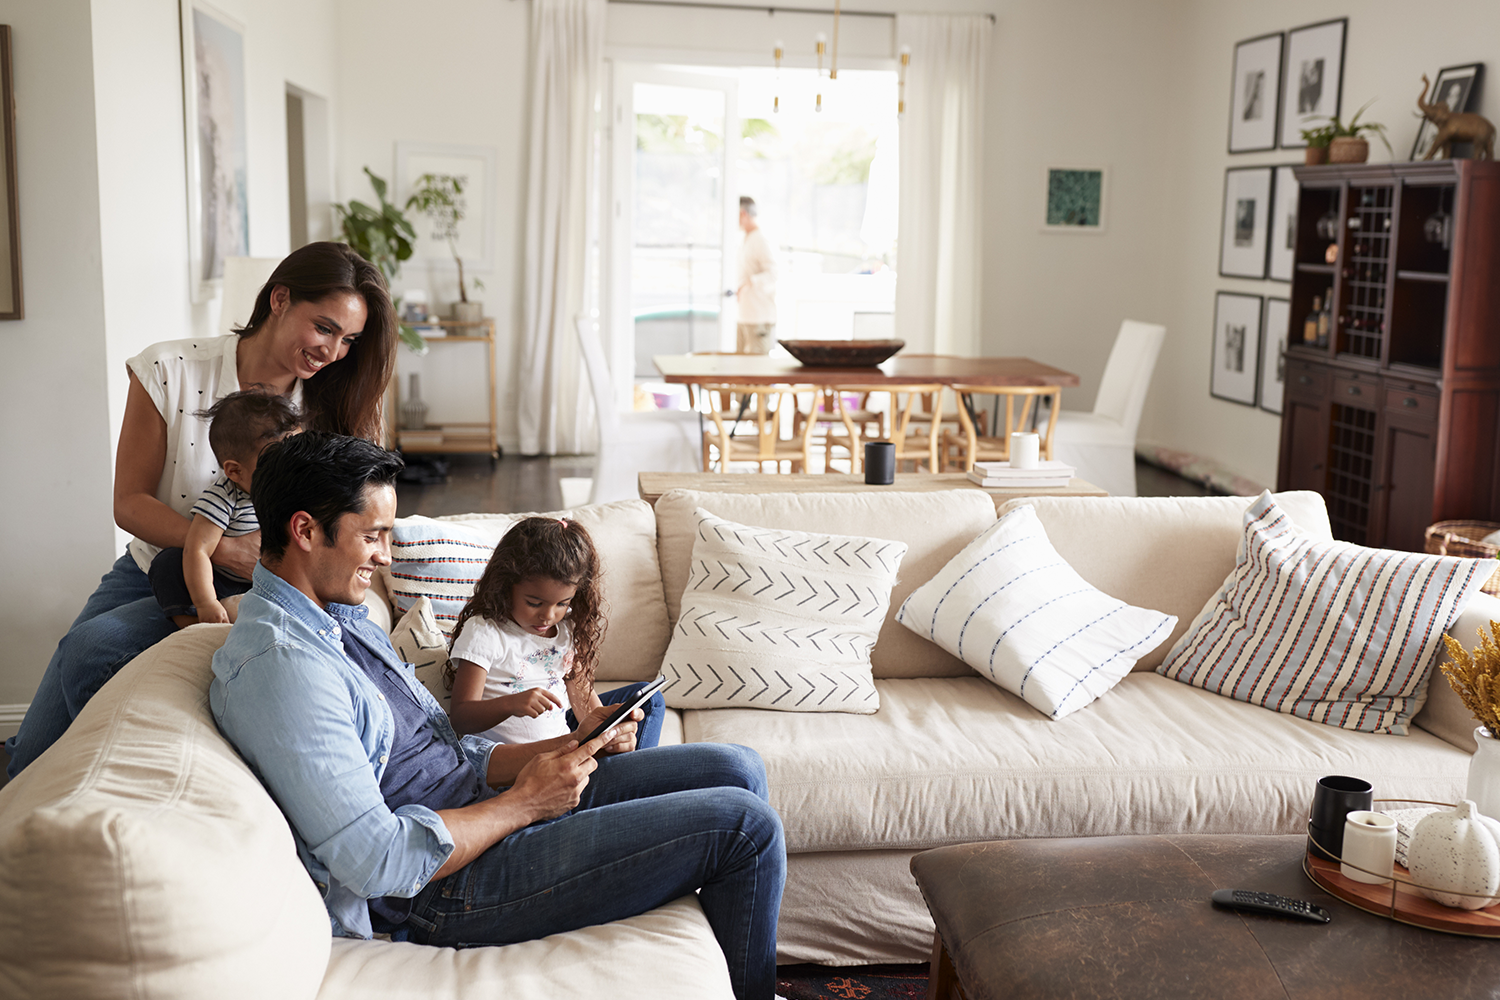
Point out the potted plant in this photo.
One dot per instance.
(440, 198)
(1347, 142)
(1476, 678)
(1317, 140)
(382, 236)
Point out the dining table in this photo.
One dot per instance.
(948, 369)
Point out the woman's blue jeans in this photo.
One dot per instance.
(652, 826)
(120, 620)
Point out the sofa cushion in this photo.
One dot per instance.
(779, 619)
(1166, 553)
(1012, 609)
(1444, 713)
(934, 527)
(954, 760)
(140, 857)
(419, 640)
(441, 558)
(1329, 631)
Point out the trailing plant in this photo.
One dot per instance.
(440, 197)
(383, 236)
(1476, 676)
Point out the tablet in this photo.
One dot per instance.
(625, 708)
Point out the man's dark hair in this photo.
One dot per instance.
(242, 422)
(326, 475)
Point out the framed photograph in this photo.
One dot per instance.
(1457, 87)
(10, 230)
(1076, 200)
(213, 91)
(1247, 217)
(1313, 78)
(474, 166)
(1283, 257)
(1276, 330)
(1236, 347)
(1255, 94)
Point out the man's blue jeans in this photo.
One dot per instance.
(652, 826)
(120, 620)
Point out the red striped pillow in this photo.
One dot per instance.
(1327, 631)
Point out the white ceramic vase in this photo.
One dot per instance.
(1484, 774)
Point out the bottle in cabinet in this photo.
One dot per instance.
(1324, 319)
(1310, 325)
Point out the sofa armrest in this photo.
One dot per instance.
(1444, 715)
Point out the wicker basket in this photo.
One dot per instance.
(1461, 538)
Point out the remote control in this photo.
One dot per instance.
(1265, 902)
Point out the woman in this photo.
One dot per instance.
(322, 332)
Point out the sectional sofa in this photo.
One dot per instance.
(141, 852)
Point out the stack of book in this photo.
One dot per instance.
(1049, 475)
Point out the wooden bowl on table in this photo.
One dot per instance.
(841, 353)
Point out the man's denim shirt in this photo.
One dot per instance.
(317, 734)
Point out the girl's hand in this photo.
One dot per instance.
(530, 703)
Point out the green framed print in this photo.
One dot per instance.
(1076, 199)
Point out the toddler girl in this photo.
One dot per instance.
(530, 636)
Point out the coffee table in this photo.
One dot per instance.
(1131, 917)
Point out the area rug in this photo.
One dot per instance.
(859, 982)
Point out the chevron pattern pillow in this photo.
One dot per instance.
(779, 619)
(1331, 632)
(1013, 609)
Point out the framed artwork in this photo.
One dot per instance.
(1275, 331)
(1076, 200)
(1313, 78)
(1457, 87)
(1247, 216)
(1284, 189)
(10, 245)
(1236, 355)
(213, 90)
(474, 236)
(1255, 94)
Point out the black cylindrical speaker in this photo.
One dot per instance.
(880, 463)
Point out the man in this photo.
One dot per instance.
(398, 821)
(757, 290)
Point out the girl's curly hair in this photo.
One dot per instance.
(555, 550)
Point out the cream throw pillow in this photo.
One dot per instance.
(420, 642)
(779, 619)
(1010, 607)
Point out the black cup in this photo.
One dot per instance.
(880, 463)
(1335, 797)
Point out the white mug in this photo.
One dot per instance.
(1370, 843)
(1025, 450)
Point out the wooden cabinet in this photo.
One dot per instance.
(1394, 416)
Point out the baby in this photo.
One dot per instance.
(187, 585)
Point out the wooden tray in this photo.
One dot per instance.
(1401, 902)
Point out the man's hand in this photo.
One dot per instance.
(530, 703)
(551, 783)
(238, 554)
(623, 740)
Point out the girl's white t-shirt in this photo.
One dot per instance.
(516, 660)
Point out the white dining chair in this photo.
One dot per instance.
(1101, 444)
(635, 442)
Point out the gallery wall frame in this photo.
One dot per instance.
(1281, 262)
(1255, 94)
(1456, 86)
(216, 134)
(1275, 331)
(1077, 199)
(1245, 237)
(476, 233)
(1236, 350)
(10, 247)
(1312, 78)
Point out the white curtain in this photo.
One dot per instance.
(942, 154)
(567, 46)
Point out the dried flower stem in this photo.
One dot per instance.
(1476, 677)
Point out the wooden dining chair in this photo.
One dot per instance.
(1022, 405)
(913, 430)
(821, 412)
(752, 433)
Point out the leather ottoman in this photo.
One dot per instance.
(1131, 917)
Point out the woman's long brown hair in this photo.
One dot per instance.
(555, 550)
(345, 397)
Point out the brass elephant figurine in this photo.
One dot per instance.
(1454, 126)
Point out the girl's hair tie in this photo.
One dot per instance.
(563, 521)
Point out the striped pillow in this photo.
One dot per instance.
(1013, 609)
(1327, 631)
(441, 561)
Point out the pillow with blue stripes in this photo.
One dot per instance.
(1013, 609)
(1327, 631)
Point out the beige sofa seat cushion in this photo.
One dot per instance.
(666, 954)
(934, 527)
(1165, 553)
(140, 857)
(955, 760)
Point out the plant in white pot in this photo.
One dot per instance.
(1476, 677)
(440, 197)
